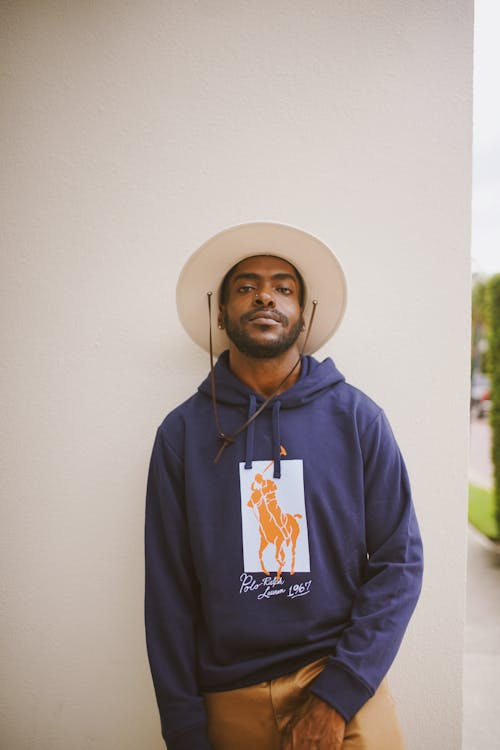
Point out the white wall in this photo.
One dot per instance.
(132, 132)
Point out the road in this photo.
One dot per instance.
(480, 466)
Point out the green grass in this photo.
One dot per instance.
(482, 511)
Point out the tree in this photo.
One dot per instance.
(480, 327)
(493, 320)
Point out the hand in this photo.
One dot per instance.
(317, 726)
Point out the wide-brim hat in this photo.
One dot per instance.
(203, 272)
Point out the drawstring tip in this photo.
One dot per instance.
(226, 440)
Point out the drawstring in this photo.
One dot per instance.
(228, 439)
(250, 433)
(276, 440)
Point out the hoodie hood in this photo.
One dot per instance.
(315, 378)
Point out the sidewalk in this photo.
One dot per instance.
(482, 626)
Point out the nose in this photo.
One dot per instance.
(264, 299)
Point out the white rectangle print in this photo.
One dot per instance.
(273, 518)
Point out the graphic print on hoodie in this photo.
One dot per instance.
(275, 530)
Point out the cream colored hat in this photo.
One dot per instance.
(204, 271)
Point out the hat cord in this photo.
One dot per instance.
(228, 439)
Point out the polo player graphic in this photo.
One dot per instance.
(275, 527)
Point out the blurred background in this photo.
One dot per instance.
(482, 631)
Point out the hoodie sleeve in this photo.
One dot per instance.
(171, 604)
(391, 581)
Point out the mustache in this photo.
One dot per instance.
(274, 314)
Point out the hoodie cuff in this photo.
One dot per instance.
(195, 738)
(339, 687)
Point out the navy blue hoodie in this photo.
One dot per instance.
(300, 542)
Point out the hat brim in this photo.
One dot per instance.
(204, 271)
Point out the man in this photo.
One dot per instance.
(283, 557)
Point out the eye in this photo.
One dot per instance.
(285, 290)
(245, 288)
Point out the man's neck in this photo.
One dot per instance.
(264, 375)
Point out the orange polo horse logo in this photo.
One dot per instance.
(275, 527)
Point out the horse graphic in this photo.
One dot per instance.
(275, 527)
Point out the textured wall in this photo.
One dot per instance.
(130, 133)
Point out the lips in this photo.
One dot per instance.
(274, 316)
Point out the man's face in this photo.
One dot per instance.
(261, 312)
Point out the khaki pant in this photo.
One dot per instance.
(252, 718)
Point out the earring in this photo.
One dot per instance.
(219, 325)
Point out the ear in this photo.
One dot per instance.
(220, 317)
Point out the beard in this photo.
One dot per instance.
(262, 350)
